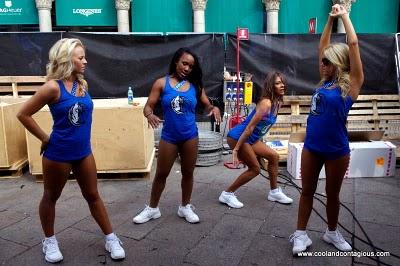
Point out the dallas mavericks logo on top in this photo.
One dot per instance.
(177, 105)
(75, 114)
(317, 104)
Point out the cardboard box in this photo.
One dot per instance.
(367, 158)
(122, 141)
(12, 133)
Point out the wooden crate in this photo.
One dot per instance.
(12, 135)
(122, 141)
(20, 84)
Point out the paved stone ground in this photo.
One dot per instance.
(254, 235)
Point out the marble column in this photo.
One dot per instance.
(122, 7)
(44, 13)
(347, 5)
(272, 8)
(199, 6)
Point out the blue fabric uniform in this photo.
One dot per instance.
(259, 131)
(70, 138)
(179, 108)
(326, 123)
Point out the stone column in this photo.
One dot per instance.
(347, 5)
(199, 6)
(44, 13)
(272, 8)
(122, 7)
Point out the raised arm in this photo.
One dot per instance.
(356, 68)
(152, 100)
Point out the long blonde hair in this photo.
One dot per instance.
(338, 54)
(60, 66)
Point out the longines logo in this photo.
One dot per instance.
(8, 10)
(87, 11)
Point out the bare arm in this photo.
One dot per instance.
(210, 109)
(325, 40)
(152, 100)
(46, 94)
(356, 68)
(264, 106)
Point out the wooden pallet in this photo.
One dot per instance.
(16, 85)
(369, 112)
(15, 171)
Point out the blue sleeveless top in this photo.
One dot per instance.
(72, 117)
(326, 131)
(179, 108)
(259, 131)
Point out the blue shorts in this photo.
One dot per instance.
(175, 141)
(329, 155)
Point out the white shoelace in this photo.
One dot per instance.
(339, 237)
(51, 245)
(116, 243)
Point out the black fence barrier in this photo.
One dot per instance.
(117, 61)
(296, 56)
(25, 53)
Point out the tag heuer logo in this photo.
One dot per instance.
(8, 3)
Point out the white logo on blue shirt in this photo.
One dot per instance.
(177, 105)
(316, 107)
(75, 114)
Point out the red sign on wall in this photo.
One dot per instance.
(242, 33)
(312, 25)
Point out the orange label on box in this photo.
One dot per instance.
(380, 161)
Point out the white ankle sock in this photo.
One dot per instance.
(110, 236)
(300, 232)
(275, 190)
(53, 237)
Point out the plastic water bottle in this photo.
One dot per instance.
(130, 96)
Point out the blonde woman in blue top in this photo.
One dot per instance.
(326, 140)
(68, 146)
(245, 140)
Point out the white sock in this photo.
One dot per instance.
(300, 232)
(53, 237)
(110, 236)
(275, 190)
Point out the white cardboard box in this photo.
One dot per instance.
(367, 159)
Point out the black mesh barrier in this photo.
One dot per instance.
(25, 54)
(117, 61)
(296, 56)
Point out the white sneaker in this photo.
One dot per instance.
(51, 250)
(114, 247)
(187, 213)
(300, 242)
(335, 238)
(279, 196)
(230, 199)
(147, 214)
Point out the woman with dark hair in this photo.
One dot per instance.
(326, 140)
(245, 140)
(179, 92)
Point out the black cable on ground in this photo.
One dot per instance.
(290, 182)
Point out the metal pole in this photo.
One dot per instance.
(238, 75)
